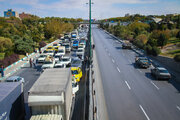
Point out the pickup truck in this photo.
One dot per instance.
(126, 46)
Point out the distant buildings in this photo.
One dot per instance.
(24, 15)
(11, 13)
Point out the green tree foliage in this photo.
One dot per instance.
(153, 26)
(23, 45)
(138, 27)
(155, 51)
(5, 44)
(162, 41)
(143, 38)
(178, 35)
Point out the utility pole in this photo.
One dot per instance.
(90, 30)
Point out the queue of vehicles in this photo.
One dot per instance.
(52, 95)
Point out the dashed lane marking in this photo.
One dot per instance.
(144, 112)
(155, 85)
(118, 69)
(128, 85)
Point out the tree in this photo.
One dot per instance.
(153, 26)
(24, 45)
(148, 49)
(178, 35)
(5, 44)
(143, 38)
(162, 41)
(155, 51)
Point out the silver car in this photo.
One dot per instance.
(15, 79)
(160, 73)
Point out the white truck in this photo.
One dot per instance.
(51, 95)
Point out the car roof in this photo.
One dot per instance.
(13, 77)
(161, 68)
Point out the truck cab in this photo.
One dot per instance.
(77, 73)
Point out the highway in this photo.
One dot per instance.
(130, 92)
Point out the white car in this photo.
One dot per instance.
(80, 51)
(75, 86)
(66, 60)
(50, 52)
(15, 79)
(59, 64)
(57, 58)
(41, 58)
(48, 64)
(60, 52)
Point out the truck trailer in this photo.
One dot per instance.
(51, 95)
(12, 101)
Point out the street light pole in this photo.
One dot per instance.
(90, 30)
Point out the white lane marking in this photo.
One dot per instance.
(178, 108)
(155, 85)
(144, 112)
(128, 85)
(113, 60)
(118, 69)
(129, 60)
(139, 70)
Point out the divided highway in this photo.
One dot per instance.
(130, 92)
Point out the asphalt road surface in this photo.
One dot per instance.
(130, 92)
(30, 75)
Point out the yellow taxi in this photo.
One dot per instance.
(50, 48)
(77, 73)
(56, 48)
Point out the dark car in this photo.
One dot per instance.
(126, 46)
(76, 63)
(160, 73)
(142, 62)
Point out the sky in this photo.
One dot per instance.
(101, 9)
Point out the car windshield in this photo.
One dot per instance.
(59, 66)
(50, 48)
(74, 72)
(75, 42)
(163, 71)
(74, 55)
(65, 59)
(42, 56)
(66, 46)
(49, 51)
(60, 51)
(48, 62)
(145, 61)
(57, 56)
(54, 44)
(76, 62)
(45, 51)
(80, 50)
